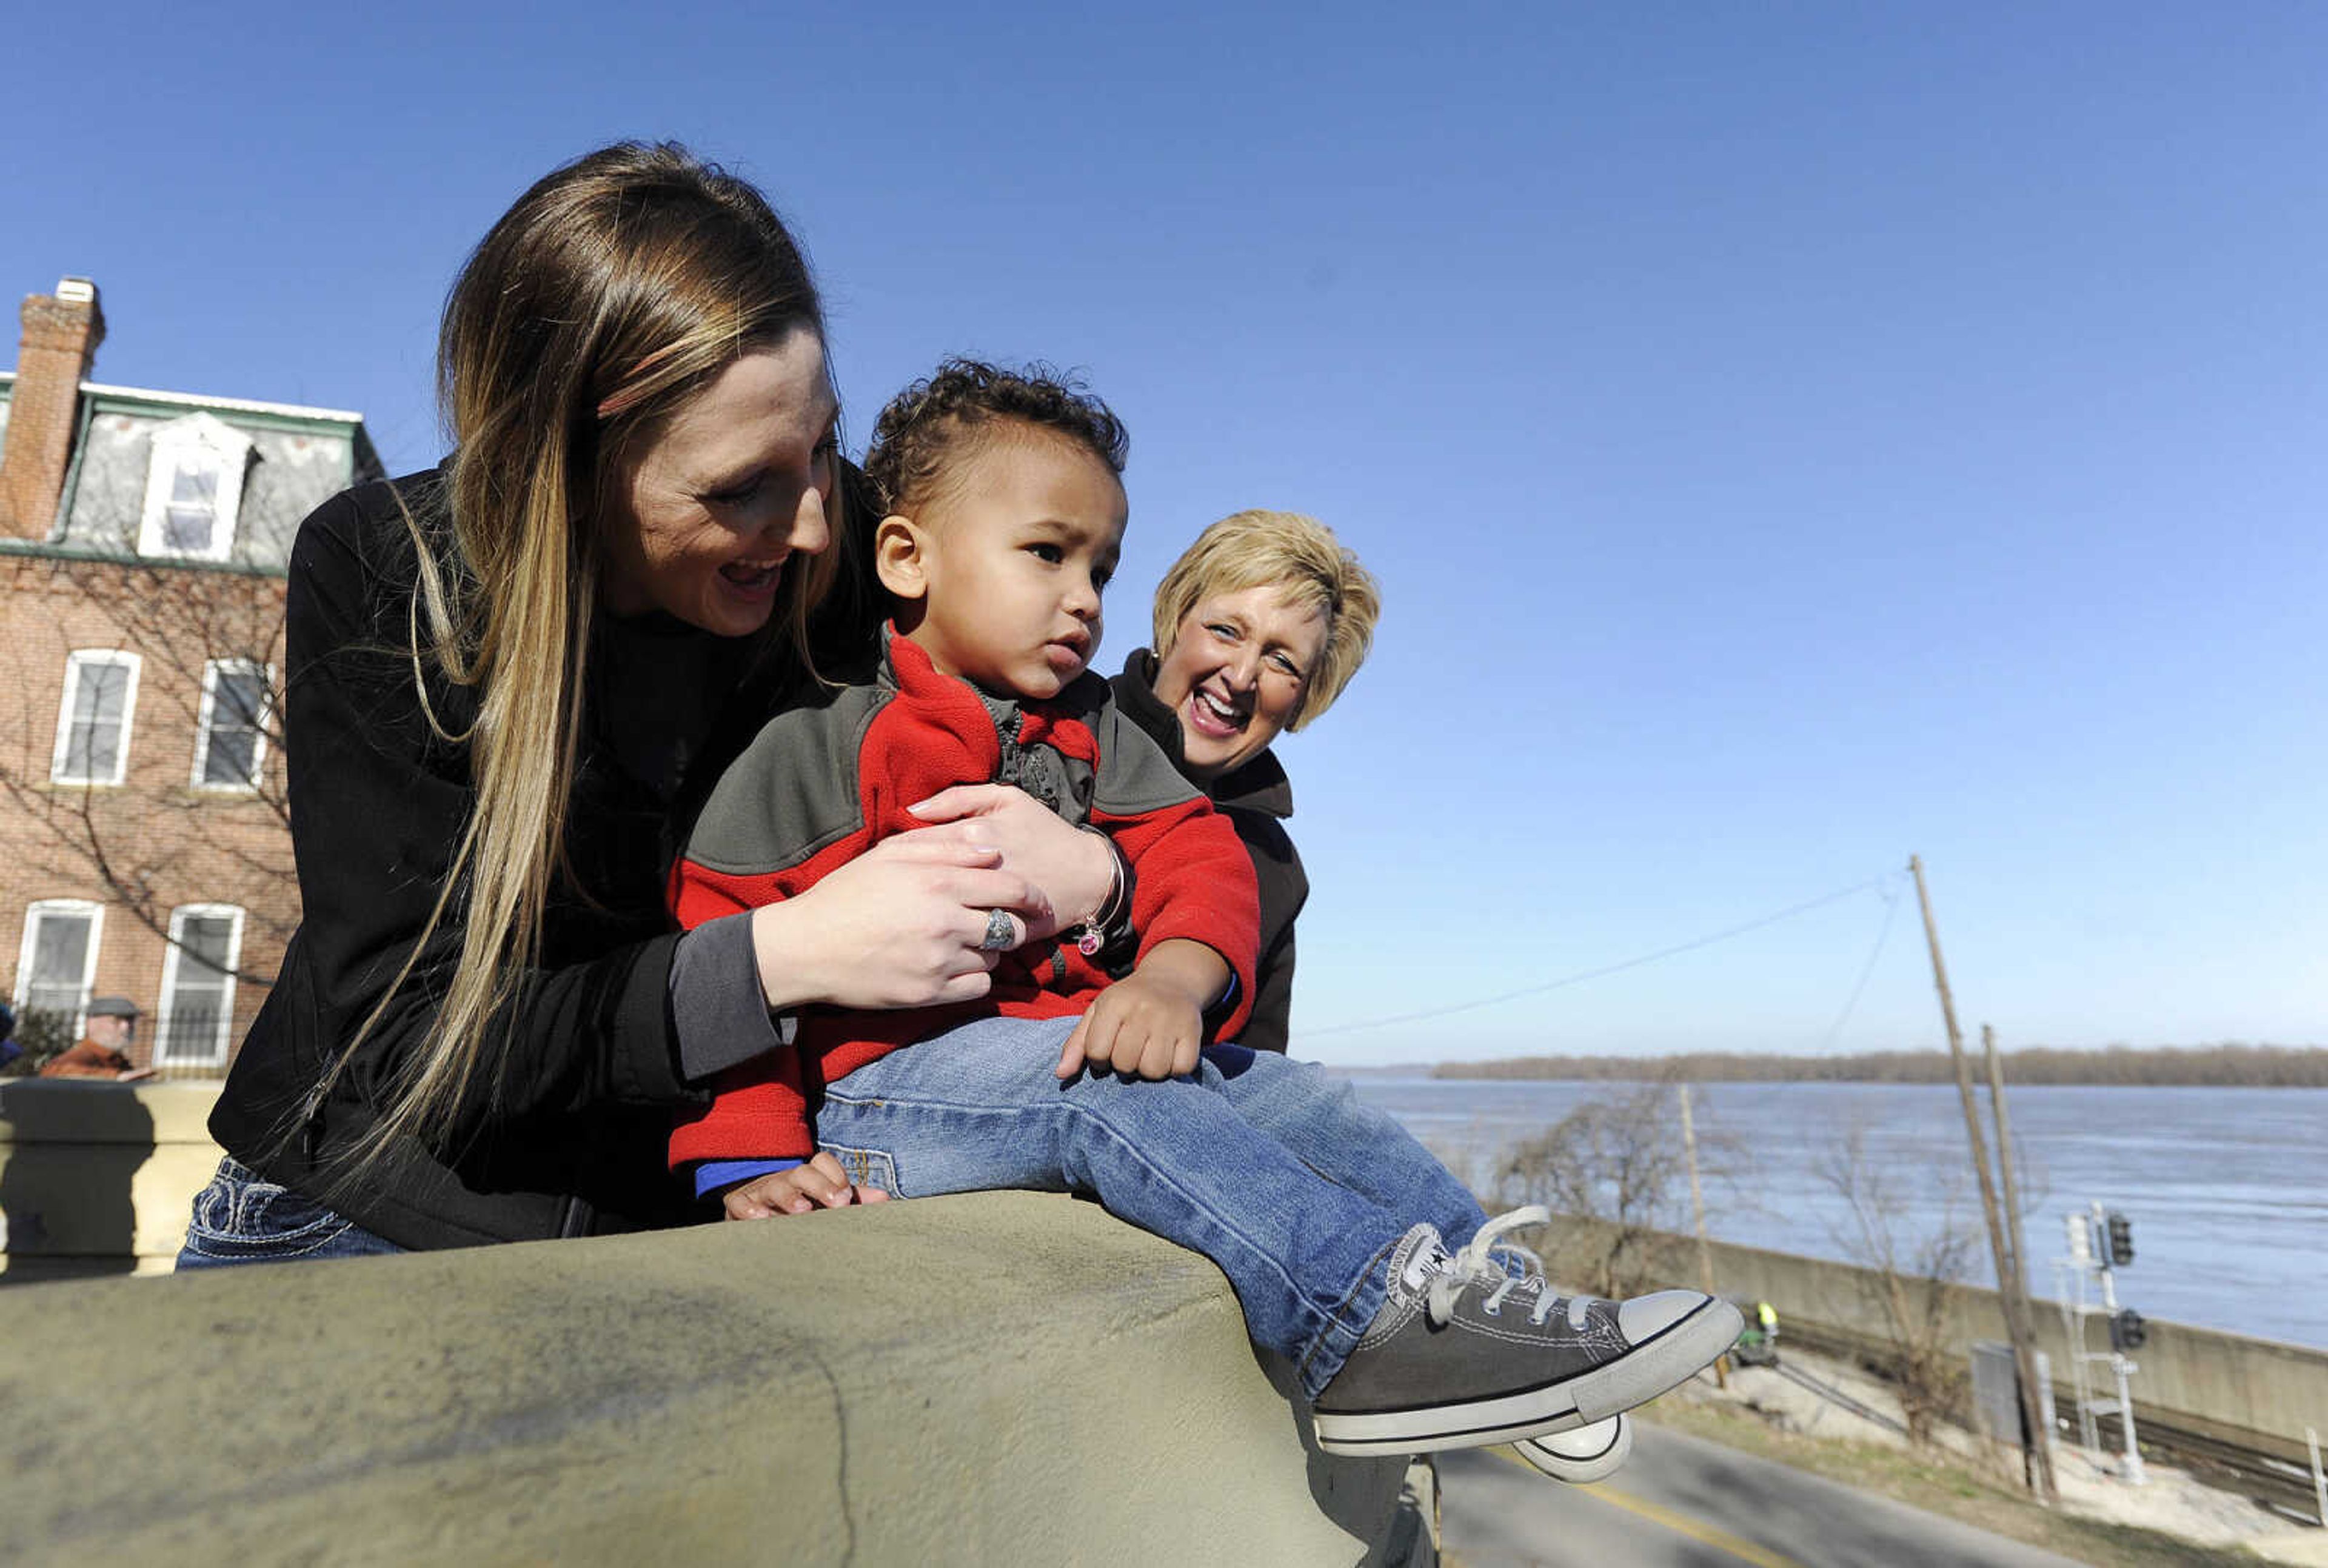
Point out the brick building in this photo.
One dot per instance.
(145, 849)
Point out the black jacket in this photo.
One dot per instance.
(565, 1133)
(1257, 798)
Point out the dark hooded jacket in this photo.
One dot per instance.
(1257, 798)
(564, 1133)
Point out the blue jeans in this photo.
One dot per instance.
(1276, 1172)
(241, 1217)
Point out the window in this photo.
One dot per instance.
(193, 489)
(231, 739)
(190, 516)
(58, 962)
(198, 986)
(93, 722)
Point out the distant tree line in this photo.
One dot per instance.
(2228, 1066)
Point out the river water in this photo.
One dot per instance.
(2227, 1188)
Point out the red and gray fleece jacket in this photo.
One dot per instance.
(822, 785)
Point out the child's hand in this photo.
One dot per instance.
(1151, 1023)
(804, 1189)
(1136, 1026)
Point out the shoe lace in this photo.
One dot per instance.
(1475, 1263)
(1518, 1259)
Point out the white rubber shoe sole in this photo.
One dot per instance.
(1589, 1453)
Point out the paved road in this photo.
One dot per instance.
(1682, 1502)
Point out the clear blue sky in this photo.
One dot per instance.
(1791, 436)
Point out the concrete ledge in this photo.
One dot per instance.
(1004, 1378)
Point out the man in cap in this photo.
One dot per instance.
(100, 1054)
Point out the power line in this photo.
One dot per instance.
(1883, 935)
(1578, 979)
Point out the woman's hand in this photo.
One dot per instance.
(819, 1184)
(1075, 871)
(902, 926)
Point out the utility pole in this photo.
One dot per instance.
(2035, 1456)
(2033, 1401)
(1697, 1208)
(2016, 1242)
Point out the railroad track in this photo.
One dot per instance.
(2271, 1483)
(2281, 1485)
(2276, 1484)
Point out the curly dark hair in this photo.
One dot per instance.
(926, 425)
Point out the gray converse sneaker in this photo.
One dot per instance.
(1464, 1353)
(1589, 1453)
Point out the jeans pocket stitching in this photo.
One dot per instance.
(237, 1212)
(867, 1166)
(245, 1235)
(277, 1245)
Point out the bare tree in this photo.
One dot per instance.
(1616, 1164)
(1909, 1272)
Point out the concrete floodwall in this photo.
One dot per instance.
(1005, 1377)
(98, 1177)
(2260, 1394)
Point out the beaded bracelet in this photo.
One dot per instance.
(1093, 927)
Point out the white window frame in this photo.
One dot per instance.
(202, 438)
(171, 956)
(211, 671)
(28, 946)
(75, 663)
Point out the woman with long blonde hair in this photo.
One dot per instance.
(510, 680)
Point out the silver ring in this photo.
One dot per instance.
(1000, 936)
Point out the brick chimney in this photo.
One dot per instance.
(61, 332)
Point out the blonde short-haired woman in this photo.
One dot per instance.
(1260, 625)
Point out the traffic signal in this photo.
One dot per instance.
(2121, 1239)
(2127, 1331)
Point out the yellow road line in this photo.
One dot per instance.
(1656, 1514)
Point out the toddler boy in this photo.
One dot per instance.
(1352, 1251)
